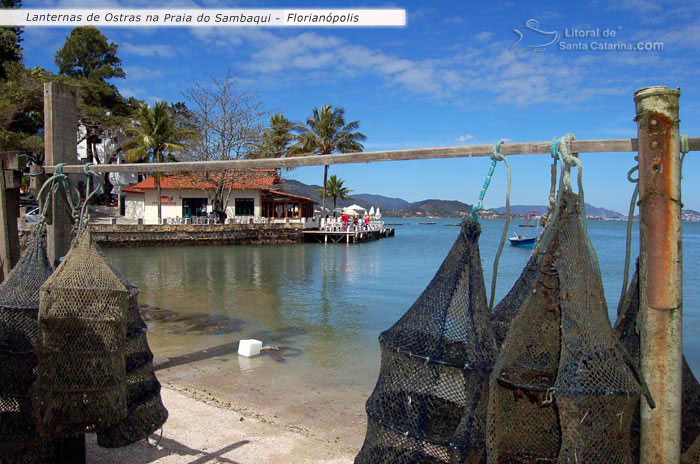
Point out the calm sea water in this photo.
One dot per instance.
(326, 304)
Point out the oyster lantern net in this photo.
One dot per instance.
(146, 412)
(429, 401)
(81, 375)
(19, 306)
(626, 330)
(507, 308)
(561, 390)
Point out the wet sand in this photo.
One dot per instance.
(203, 429)
(274, 394)
(197, 353)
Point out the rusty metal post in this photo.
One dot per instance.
(661, 292)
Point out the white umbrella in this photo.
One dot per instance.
(371, 211)
(350, 212)
(356, 208)
(378, 213)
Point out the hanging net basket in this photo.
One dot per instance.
(146, 412)
(692, 456)
(19, 306)
(561, 390)
(626, 330)
(429, 402)
(81, 375)
(507, 308)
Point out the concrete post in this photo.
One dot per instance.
(60, 145)
(661, 292)
(9, 208)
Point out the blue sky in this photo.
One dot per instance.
(450, 77)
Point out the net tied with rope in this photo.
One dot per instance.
(429, 403)
(561, 389)
(20, 441)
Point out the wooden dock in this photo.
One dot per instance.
(329, 236)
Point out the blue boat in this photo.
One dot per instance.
(522, 242)
(525, 241)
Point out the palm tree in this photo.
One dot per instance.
(276, 140)
(154, 135)
(325, 132)
(335, 189)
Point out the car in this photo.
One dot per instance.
(32, 215)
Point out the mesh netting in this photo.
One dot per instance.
(561, 390)
(81, 375)
(626, 330)
(507, 308)
(428, 404)
(146, 412)
(19, 306)
(692, 455)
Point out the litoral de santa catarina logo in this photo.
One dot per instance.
(531, 38)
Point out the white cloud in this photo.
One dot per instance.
(465, 138)
(639, 6)
(163, 51)
(138, 73)
(459, 75)
(483, 36)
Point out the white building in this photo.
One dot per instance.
(253, 194)
(105, 151)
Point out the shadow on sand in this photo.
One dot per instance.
(144, 452)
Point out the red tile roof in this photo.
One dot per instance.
(253, 179)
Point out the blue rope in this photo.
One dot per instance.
(497, 156)
(494, 159)
(84, 216)
(556, 148)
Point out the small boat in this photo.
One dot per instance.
(522, 242)
(525, 241)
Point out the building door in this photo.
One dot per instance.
(194, 207)
(245, 207)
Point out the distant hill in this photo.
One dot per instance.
(434, 208)
(690, 215)
(398, 207)
(384, 203)
(366, 200)
(591, 210)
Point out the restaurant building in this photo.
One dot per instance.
(253, 193)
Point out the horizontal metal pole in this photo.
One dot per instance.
(465, 151)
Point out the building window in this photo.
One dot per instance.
(194, 207)
(245, 207)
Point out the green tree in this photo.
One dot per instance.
(326, 132)
(335, 189)
(10, 41)
(154, 136)
(22, 109)
(21, 93)
(88, 54)
(88, 60)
